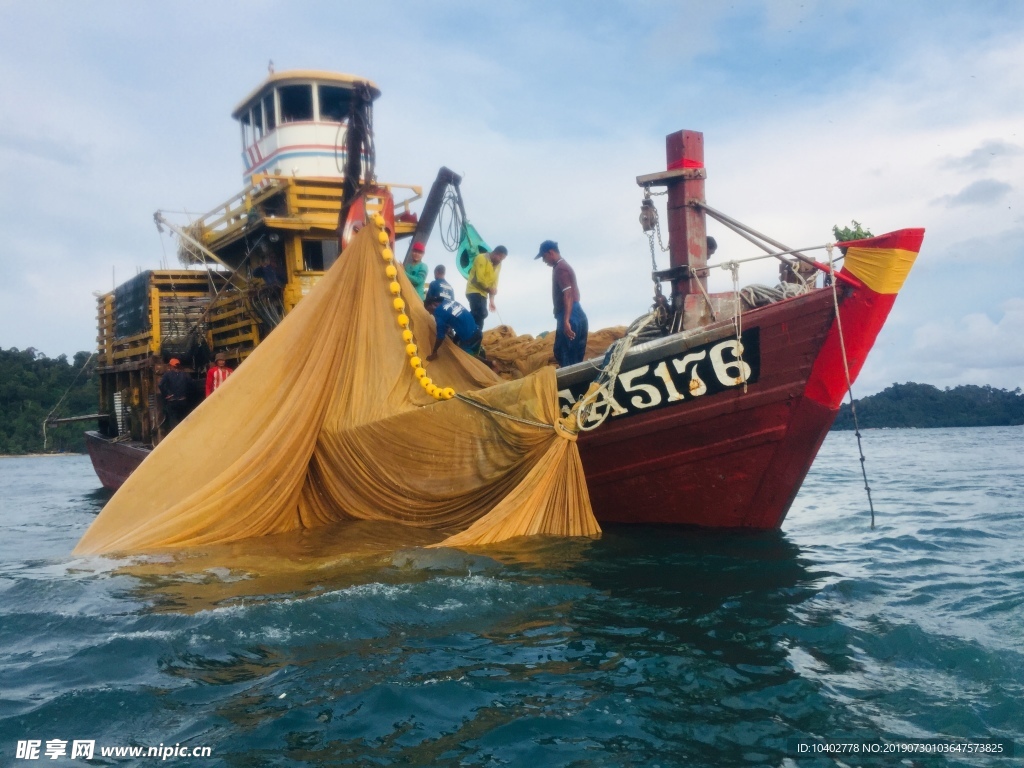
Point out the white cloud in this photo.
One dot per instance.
(981, 192)
(987, 154)
(972, 349)
(550, 114)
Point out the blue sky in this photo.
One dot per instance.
(896, 114)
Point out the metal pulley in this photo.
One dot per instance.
(648, 215)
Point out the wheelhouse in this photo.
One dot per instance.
(294, 124)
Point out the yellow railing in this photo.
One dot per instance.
(309, 203)
(232, 326)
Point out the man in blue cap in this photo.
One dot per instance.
(570, 321)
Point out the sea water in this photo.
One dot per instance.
(647, 647)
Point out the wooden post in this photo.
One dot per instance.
(686, 226)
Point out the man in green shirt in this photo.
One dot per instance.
(482, 285)
(416, 270)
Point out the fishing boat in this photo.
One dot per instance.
(709, 413)
(246, 263)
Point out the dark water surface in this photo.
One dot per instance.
(646, 647)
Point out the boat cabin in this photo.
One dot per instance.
(294, 124)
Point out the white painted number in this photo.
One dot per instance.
(670, 386)
(697, 385)
(627, 378)
(733, 373)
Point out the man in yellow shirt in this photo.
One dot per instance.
(482, 285)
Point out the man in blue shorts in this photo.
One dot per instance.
(571, 326)
(454, 316)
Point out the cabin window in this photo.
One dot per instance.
(257, 120)
(296, 103)
(319, 255)
(330, 251)
(246, 130)
(334, 103)
(312, 255)
(269, 111)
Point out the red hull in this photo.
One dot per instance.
(113, 461)
(729, 459)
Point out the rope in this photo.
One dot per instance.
(497, 412)
(737, 319)
(449, 219)
(63, 398)
(757, 295)
(773, 255)
(609, 374)
(849, 386)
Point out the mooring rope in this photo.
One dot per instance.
(849, 385)
(737, 319)
(63, 397)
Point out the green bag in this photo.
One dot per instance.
(471, 245)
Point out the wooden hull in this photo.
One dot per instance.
(114, 461)
(731, 458)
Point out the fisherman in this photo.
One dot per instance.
(217, 374)
(452, 315)
(416, 270)
(174, 386)
(439, 286)
(571, 322)
(482, 285)
(712, 246)
(268, 272)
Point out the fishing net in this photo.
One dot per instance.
(327, 421)
(516, 356)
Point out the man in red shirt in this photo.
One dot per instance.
(571, 326)
(217, 374)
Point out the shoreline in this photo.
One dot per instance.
(37, 455)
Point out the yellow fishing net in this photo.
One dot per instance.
(326, 421)
(517, 356)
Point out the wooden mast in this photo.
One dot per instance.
(684, 151)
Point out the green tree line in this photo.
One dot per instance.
(922, 405)
(31, 384)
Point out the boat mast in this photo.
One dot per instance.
(687, 231)
(359, 151)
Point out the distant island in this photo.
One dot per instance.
(922, 406)
(31, 385)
